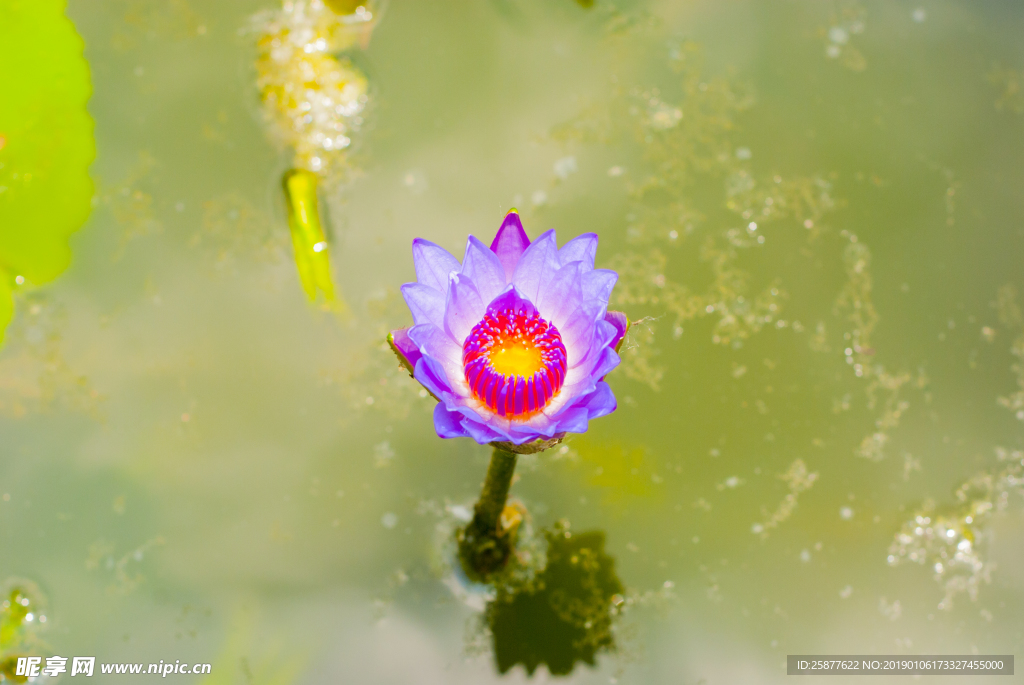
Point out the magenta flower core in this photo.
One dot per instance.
(515, 361)
(514, 341)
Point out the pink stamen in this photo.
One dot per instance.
(514, 361)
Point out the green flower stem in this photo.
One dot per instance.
(484, 545)
(492, 500)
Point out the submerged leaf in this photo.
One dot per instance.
(46, 144)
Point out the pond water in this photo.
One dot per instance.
(817, 215)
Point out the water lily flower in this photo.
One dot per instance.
(515, 341)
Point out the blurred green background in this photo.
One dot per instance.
(816, 210)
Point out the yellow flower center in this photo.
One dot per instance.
(516, 358)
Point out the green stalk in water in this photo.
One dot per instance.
(485, 544)
(308, 238)
(488, 540)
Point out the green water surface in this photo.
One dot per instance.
(817, 213)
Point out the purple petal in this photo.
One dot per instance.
(433, 342)
(464, 308)
(582, 248)
(604, 334)
(404, 348)
(433, 264)
(572, 419)
(606, 363)
(479, 429)
(578, 332)
(425, 303)
(537, 426)
(510, 243)
(485, 270)
(593, 355)
(582, 380)
(598, 284)
(511, 298)
(518, 433)
(562, 295)
(537, 265)
(456, 421)
(595, 402)
(431, 376)
(621, 323)
(448, 424)
(600, 402)
(463, 422)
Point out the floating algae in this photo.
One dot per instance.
(130, 201)
(804, 199)
(855, 304)
(35, 376)
(690, 134)
(798, 479)
(314, 100)
(952, 541)
(126, 579)
(143, 21)
(233, 228)
(872, 447)
(739, 313)
(683, 138)
(685, 133)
